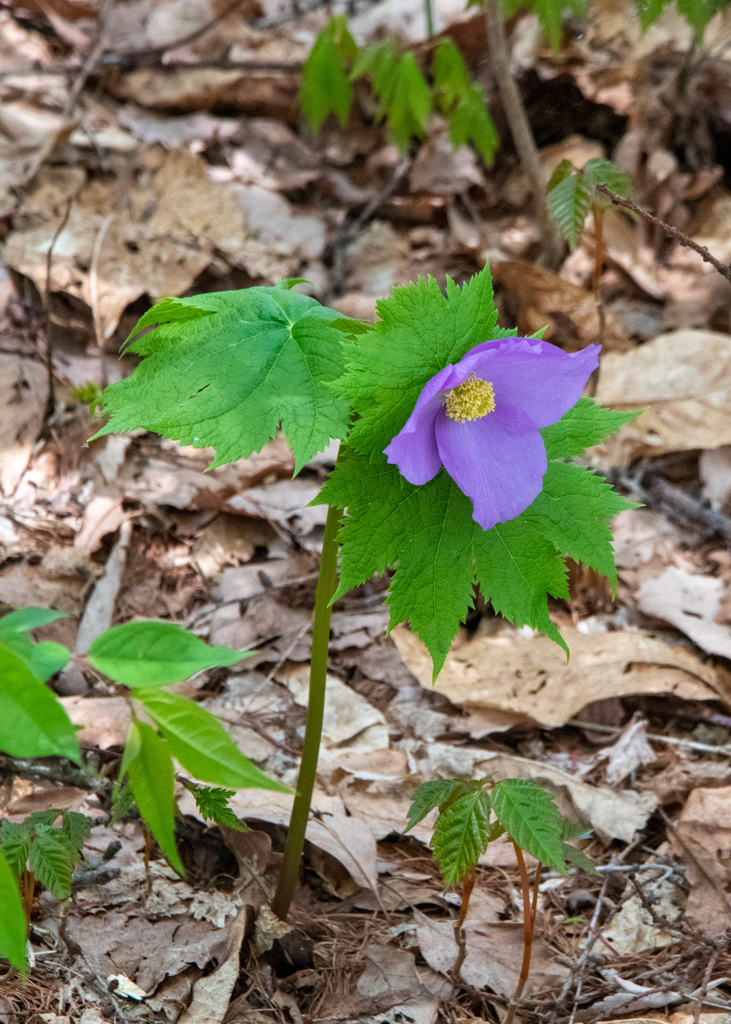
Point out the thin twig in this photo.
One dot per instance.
(628, 204)
(51, 403)
(519, 125)
(94, 293)
(90, 61)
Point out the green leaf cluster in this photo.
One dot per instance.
(462, 103)
(147, 656)
(48, 851)
(426, 533)
(326, 87)
(144, 656)
(572, 193)
(403, 97)
(522, 809)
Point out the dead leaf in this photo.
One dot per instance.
(157, 243)
(390, 970)
(701, 840)
(541, 297)
(350, 721)
(61, 581)
(714, 466)
(104, 721)
(28, 135)
(691, 604)
(223, 542)
(103, 515)
(23, 398)
(631, 930)
(629, 751)
(494, 954)
(683, 378)
(530, 676)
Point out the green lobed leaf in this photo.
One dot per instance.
(213, 806)
(433, 794)
(140, 654)
(15, 845)
(568, 204)
(326, 86)
(201, 744)
(461, 835)
(578, 858)
(32, 722)
(531, 818)
(571, 512)
(51, 861)
(226, 380)
(13, 927)
(151, 778)
(583, 426)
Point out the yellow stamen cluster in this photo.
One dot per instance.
(470, 400)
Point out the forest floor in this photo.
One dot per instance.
(146, 166)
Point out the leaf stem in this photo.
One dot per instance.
(295, 842)
(468, 884)
(529, 916)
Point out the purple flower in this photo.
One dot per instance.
(481, 417)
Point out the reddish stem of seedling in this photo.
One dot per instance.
(468, 884)
(529, 918)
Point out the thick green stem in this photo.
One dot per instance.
(315, 711)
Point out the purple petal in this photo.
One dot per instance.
(414, 448)
(539, 378)
(498, 461)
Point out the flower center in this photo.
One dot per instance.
(471, 400)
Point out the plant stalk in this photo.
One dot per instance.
(520, 129)
(468, 884)
(529, 913)
(295, 842)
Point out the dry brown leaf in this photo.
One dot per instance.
(104, 721)
(683, 378)
(61, 581)
(156, 243)
(350, 722)
(23, 399)
(531, 676)
(348, 839)
(390, 970)
(494, 954)
(701, 840)
(543, 298)
(632, 930)
(691, 604)
(28, 135)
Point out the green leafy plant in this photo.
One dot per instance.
(142, 657)
(573, 193)
(402, 95)
(472, 814)
(35, 849)
(324, 376)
